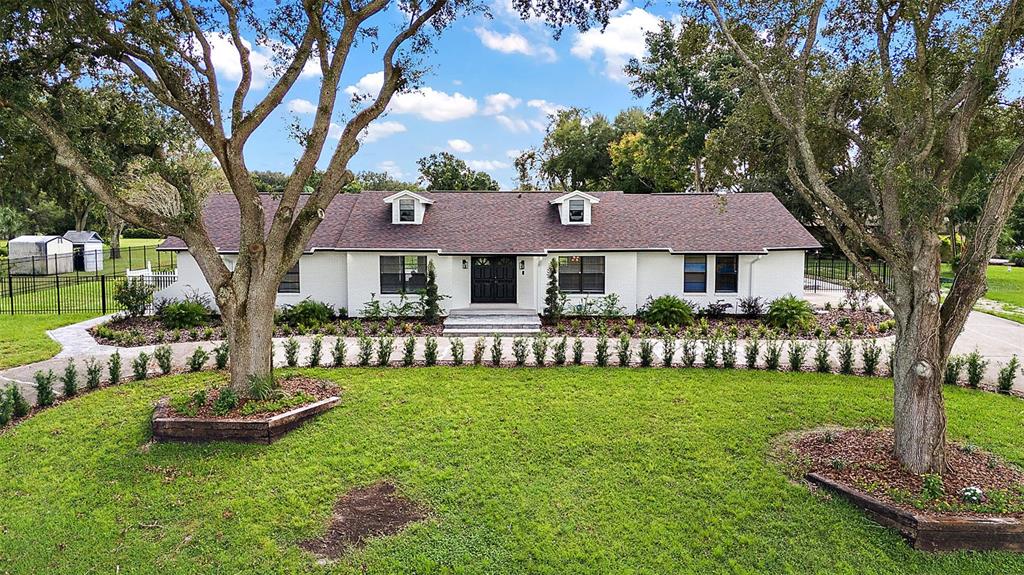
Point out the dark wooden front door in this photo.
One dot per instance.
(493, 279)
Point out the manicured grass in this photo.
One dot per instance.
(1006, 284)
(138, 242)
(556, 470)
(23, 338)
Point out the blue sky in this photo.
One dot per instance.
(492, 82)
(491, 85)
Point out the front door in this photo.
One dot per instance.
(493, 279)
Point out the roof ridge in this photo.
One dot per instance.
(348, 217)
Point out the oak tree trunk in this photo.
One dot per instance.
(919, 361)
(250, 331)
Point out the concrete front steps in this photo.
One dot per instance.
(484, 321)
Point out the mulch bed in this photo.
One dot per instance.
(863, 459)
(361, 513)
(841, 320)
(140, 331)
(318, 388)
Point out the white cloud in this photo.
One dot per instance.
(547, 108)
(380, 130)
(513, 43)
(334, 131)
(461, 146)
(427, 103)
(512, 154)
(487, 164)
(261, 60)
(516, 125)
(300, 106)
(499, 103)
(391, 167)
(374, 132)
(621, 40)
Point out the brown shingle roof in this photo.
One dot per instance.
(526, 223)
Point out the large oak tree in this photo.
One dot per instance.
(166, 47)
(903, 82)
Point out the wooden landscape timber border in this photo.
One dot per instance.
(934, 532)
(167, 427)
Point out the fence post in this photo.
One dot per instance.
(57, 279)
(10, 289)
(103, 294)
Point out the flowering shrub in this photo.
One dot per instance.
(972, 495)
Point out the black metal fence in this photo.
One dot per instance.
(103, 262)
(80, 282)
(828, 272)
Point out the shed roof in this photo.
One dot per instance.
(82, 237)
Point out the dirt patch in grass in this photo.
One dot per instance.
(361, 513)
(863, 459)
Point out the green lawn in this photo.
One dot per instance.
(23, 338)
(558, 470)
(1005, 285)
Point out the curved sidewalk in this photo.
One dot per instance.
(997, 339)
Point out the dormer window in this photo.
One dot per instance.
(574, 208)
(407, 210)
(407, 207)
(576, 211)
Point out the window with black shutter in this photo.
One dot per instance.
(581, 274)
(402, 274)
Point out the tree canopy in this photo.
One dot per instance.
(444, 171)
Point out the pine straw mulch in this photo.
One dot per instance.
(863, 459)
(363, 512)
(318, 389)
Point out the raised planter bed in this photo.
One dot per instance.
(167, 426)
(934, 532)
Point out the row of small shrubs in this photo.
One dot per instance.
(721, 349)
(974, 365)
(70, 379)
(787, 312)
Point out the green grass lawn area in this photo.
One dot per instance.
(23, 338)
(557, 470)
(1006, 285)
(139, 242)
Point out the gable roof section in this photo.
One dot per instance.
(574, 194)
(84, 237)
(407, 194)
(526, 223)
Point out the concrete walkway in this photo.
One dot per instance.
(997, 339)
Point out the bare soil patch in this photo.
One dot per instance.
(863, 459)
(370, 511)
